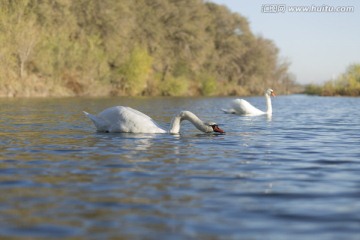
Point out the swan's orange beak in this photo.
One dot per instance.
(273, 94)
(217, 129)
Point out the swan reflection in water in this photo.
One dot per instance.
(130, 147)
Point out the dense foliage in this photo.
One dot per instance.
(347, 84)
(133, 47)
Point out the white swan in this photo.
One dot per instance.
(243, 107)
(128, 120)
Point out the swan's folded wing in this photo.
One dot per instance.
(136, 121)
(126, 119)
(242, 106)
(136, 112)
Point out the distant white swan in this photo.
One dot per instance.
(128, 120)
(243, 107)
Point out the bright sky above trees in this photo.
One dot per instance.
(320, 45)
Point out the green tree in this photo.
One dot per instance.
(135, 71)
(347, 83)
(19, 28)
(134, 47)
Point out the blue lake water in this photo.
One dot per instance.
(295, 175)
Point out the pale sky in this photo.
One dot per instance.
(319, 45)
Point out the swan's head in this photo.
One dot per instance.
(213, 127)
(270, 92)
(207, 127)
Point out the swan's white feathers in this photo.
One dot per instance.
(243, 107)
(125, 119)
(100, 124)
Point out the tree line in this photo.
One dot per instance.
(346, 84)
(133, 47)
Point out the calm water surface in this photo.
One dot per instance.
(293, 176)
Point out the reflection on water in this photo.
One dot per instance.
(299, 167)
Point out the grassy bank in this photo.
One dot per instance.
(347, 84)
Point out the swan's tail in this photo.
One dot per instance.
(229, 111)
(100, 124)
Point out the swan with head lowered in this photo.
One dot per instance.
(243, 107)
(128, 120)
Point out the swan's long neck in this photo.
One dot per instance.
(186, 115)
(268, 104)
